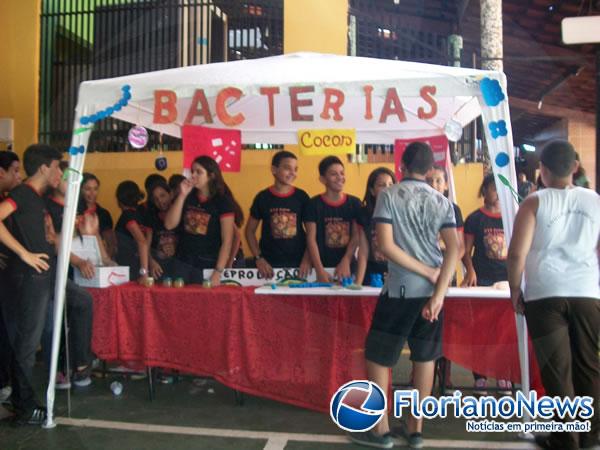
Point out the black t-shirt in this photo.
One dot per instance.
(164, 242)
(55, 209)
(282, 239)
(201, 223)
(127, 250)
(31, 223)
(366, 222)
(489, 256)
(334, 226)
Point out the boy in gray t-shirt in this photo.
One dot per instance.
(409, 218)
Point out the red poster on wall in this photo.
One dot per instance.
(438, 144)
(224, 146)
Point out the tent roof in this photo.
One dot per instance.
(456, 92)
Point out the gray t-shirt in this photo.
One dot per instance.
(417, 213)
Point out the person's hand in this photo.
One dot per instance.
(305, 268)
(264, 268)
(86, 268)
(470, 279)
(215, 279)
(39, 261)
(342, 270)
(432, 309)
(324, 277)
(185, 188)
(433, 275)
(155, 269)
(516, 298)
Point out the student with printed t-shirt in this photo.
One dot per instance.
(163, 242)
(206, 209)
(280, 209)
(10, 177)
(410, 217)
(370, 260)
(132, 249)
(555, 244)
(484, 237)
(331, 222)
(32, 239)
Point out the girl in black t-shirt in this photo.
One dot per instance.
(132, 249)
(208, 213)
(370, 260)
(162, 242)
(484, 235)
(88, 204)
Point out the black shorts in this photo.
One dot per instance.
(397, 320)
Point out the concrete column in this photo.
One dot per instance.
(491, 34)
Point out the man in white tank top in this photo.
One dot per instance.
(555, 243)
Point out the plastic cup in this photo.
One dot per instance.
(116, 388)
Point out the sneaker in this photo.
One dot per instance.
(504, 387)
(35, 417)
(5, 393)
(413, 440)
(480, 386)
(62, 381)
(371, 439)
(81, 378)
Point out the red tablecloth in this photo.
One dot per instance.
(294, 349)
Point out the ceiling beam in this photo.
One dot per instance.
(531, 107)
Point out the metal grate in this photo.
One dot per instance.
(92, 39)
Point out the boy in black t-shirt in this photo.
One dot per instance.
(10, 177)
(280, 208)
(331, 223)
(32, 238)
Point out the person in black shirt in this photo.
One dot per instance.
(10, 177)
(208, 213)
(331, 223)
(370, 260)
(280, 208)
(32, 239)
(132, 248)
(484, 237)
(163, 242)
(89, 205)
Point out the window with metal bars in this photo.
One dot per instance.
(405, 31)
(92, 39)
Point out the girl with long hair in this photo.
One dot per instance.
(370, 260)
(208, 213)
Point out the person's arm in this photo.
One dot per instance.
(227, 225)
(110, 239)
(461, 243)
(263, 266)
(363, 255)
(305, 265)
(173, 216)
(313, 249)
(470, 275)
(520, 245)
(134, 228)
(389, 249)
(235, 245)
(85, 267)
(154, 268)
(39, 261)
(342, 270)
(432, 308)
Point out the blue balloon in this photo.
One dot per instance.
(81, 149)
(72, 151)
(502, 159)
(492, 91)
(84, 120)
(126, 88)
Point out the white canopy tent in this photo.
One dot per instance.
(270, 99)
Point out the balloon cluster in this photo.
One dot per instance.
(107, 112)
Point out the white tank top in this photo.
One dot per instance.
(563, 261)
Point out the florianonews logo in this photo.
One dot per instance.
(358, 405)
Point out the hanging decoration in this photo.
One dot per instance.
(138, 137)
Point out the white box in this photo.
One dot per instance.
(86, 247)
(105, 276)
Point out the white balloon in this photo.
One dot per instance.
(453, 130)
